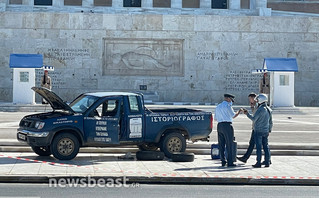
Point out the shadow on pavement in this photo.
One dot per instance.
(78, 161)
(239, 167)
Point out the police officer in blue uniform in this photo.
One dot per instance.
(224, 115)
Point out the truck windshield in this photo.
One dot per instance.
(82, 103)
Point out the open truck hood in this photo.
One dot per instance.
(54, 100)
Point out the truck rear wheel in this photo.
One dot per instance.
(65, 146)
(173, 142)
(42, 150)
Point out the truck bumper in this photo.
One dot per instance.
(33, 138)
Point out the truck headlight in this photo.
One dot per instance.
(34, 134)
(39, 125)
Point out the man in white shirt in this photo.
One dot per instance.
(224, 115)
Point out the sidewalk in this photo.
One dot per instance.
(28, 167)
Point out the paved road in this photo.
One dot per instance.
(288, 127)
(43, 190)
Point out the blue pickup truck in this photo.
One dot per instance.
(104, 119)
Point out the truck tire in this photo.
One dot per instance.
(149, 155)
(65, 146)
(182, 157)
(173, 142)
(147, 147)
(42, 150)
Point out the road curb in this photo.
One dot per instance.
(195, 151)
(53, 179)
(200, 148)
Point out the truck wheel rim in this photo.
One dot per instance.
(65, 146)
(174, 144)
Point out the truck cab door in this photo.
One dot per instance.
(102, 123)
(133, 128)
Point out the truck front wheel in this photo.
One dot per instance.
(173, 142)
(65, 146)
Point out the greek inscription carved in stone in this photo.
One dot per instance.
(62, 55)
(143, 57)
(219, 56)
(241, 81)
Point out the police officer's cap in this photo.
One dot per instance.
(231, 96)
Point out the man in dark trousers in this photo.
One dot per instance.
(253, 107)
(262, 121)
(224, 115)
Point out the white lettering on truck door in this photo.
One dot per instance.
(135, 127)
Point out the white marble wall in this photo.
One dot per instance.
(117, 3)
(176, 4)
(58, 3)
(147, 3)
(218, 52)
(87, 3)
(234, 4)
(205, 4)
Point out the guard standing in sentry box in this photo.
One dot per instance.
(262, 121)
(46, 82)
(224, 115)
